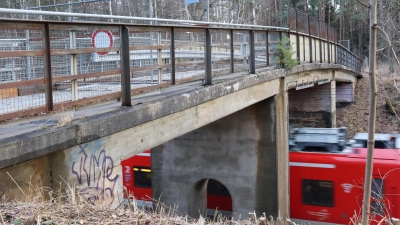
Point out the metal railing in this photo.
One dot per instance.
(54, 65)
(316, 41)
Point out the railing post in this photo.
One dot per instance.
(336, 47)
(48, 83)
(207, 56)
(172, 56)
(125, 67)
(252, 53)
(309, 37)
(159, 57)
(328, 43)
(267, 49)
(297, 38)
(320, 41)
(73, 67)
(232, 64)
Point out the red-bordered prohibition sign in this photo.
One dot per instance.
(102, 39)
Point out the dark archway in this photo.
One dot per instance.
(210, 198)
(219, 200)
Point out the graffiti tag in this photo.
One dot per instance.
(95, 173)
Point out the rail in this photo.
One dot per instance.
(53, 65)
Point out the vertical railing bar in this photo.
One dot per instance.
(74, 67)
(335, 46)
(320, 41)
(207, 56)
(159, 57)
(232, 63)
(252, 53)
(125, 67)
(328, 43)
(267, 48)
(304, 47)
(309, 37)
(297, 37)
(47, 68)
(172, 55)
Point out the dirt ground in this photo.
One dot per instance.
(355, 116)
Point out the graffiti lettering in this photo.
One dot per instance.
(95, 173)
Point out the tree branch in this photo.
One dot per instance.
(362, 3)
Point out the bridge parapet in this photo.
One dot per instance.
(54, 65)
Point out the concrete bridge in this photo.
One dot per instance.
(232, 128)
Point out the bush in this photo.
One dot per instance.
(285, 54)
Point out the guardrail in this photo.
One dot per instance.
(54, 65)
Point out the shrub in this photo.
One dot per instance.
(285, 54)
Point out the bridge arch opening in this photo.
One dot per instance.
(210, 198)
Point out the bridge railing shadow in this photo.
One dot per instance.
(55, 65)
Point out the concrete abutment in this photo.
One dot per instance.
(239, 150)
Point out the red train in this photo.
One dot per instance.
(325, 188)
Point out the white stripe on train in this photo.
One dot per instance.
(314, 165)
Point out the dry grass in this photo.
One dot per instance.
(68, 206)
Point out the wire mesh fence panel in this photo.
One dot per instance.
(302, 22)
(221, 52)
(190, 54)
(100, 69)
(260, 47)
(323, 30)
(292, 18)
(25, 73)
(149, 52)
(241, 45)
(273, 41)
(332, 31)
(314, 28)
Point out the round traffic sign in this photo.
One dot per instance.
(102, 39)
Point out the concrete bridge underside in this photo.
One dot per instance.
(88, 151)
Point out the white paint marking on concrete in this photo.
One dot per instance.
(228, 88)
(236, 87)
(315, 165)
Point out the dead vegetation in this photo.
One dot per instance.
(69, 206)
(355, 116)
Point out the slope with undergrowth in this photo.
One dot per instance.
(355, 116)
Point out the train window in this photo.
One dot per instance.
(318, 192)
(142, 177)
(377, 203)
(216, 188)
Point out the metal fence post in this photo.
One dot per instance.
(252, 53)
(207, 56)
(159, 57)
(320, 41)
(309, 38)
(336, 47)
(232, 52)
(328, 43)
(297, 38)
(172, 56)
(48, 83)
(125, 67)
(267, 48)
(73, 67)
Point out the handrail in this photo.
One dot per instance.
(84, 15)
